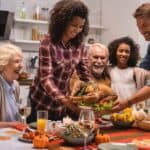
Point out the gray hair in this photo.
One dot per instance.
(99, 45)
(7, 51)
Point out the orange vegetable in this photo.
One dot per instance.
(40, 141)
(102, 138)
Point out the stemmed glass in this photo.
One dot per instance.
(86, 123)
(24, 109)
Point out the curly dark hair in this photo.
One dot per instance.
(134, 54)
(60, 17)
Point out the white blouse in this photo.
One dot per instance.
(123, 82)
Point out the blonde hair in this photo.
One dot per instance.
(100, 46)
(7, 51)
(142, 10)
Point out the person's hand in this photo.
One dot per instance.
(76, 87)
(119, 105)
(71, 106)
(14, 124)
(91, 97)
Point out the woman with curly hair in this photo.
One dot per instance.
(126, 78)
(60, 53)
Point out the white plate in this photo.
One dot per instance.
(106, 117)
(117, 146)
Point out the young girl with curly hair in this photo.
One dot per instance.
(126, 77)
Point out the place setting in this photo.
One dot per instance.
(47, 133)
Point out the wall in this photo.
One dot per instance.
(23, 31)
(117, 18)
(114, 15)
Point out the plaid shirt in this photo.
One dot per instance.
(56, 65)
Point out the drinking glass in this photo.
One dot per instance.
(86, 123)
(42, 120)
(24, 109)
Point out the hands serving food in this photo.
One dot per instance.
(99, 97)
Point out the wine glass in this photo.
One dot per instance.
(86, 123)
(24, 109)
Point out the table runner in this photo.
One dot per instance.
(127, 135)
(121, 135)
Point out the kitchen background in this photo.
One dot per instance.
(109, 19)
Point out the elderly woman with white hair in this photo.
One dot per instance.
(10, 66)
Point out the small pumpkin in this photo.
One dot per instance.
(40, 141)
(102, 138)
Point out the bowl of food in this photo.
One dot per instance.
(122, 124)
(124, 119)
(73, 135)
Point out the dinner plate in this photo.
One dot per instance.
(107, 125)
(33, 125)
(117, 146)
(106, 117)
(24, 140)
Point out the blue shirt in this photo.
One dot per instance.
(12, 113)
(146, 61)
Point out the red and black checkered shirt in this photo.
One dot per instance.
(56, 65)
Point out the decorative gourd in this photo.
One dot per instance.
(102, 138)
(40, 141)
(139, 115)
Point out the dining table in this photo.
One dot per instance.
(116, 135)
(13, 142)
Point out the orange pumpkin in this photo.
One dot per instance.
(40, 141)
(102, 138)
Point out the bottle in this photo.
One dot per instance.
(37, 13)
(44, 13)
(22, 12)
(35, 34)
